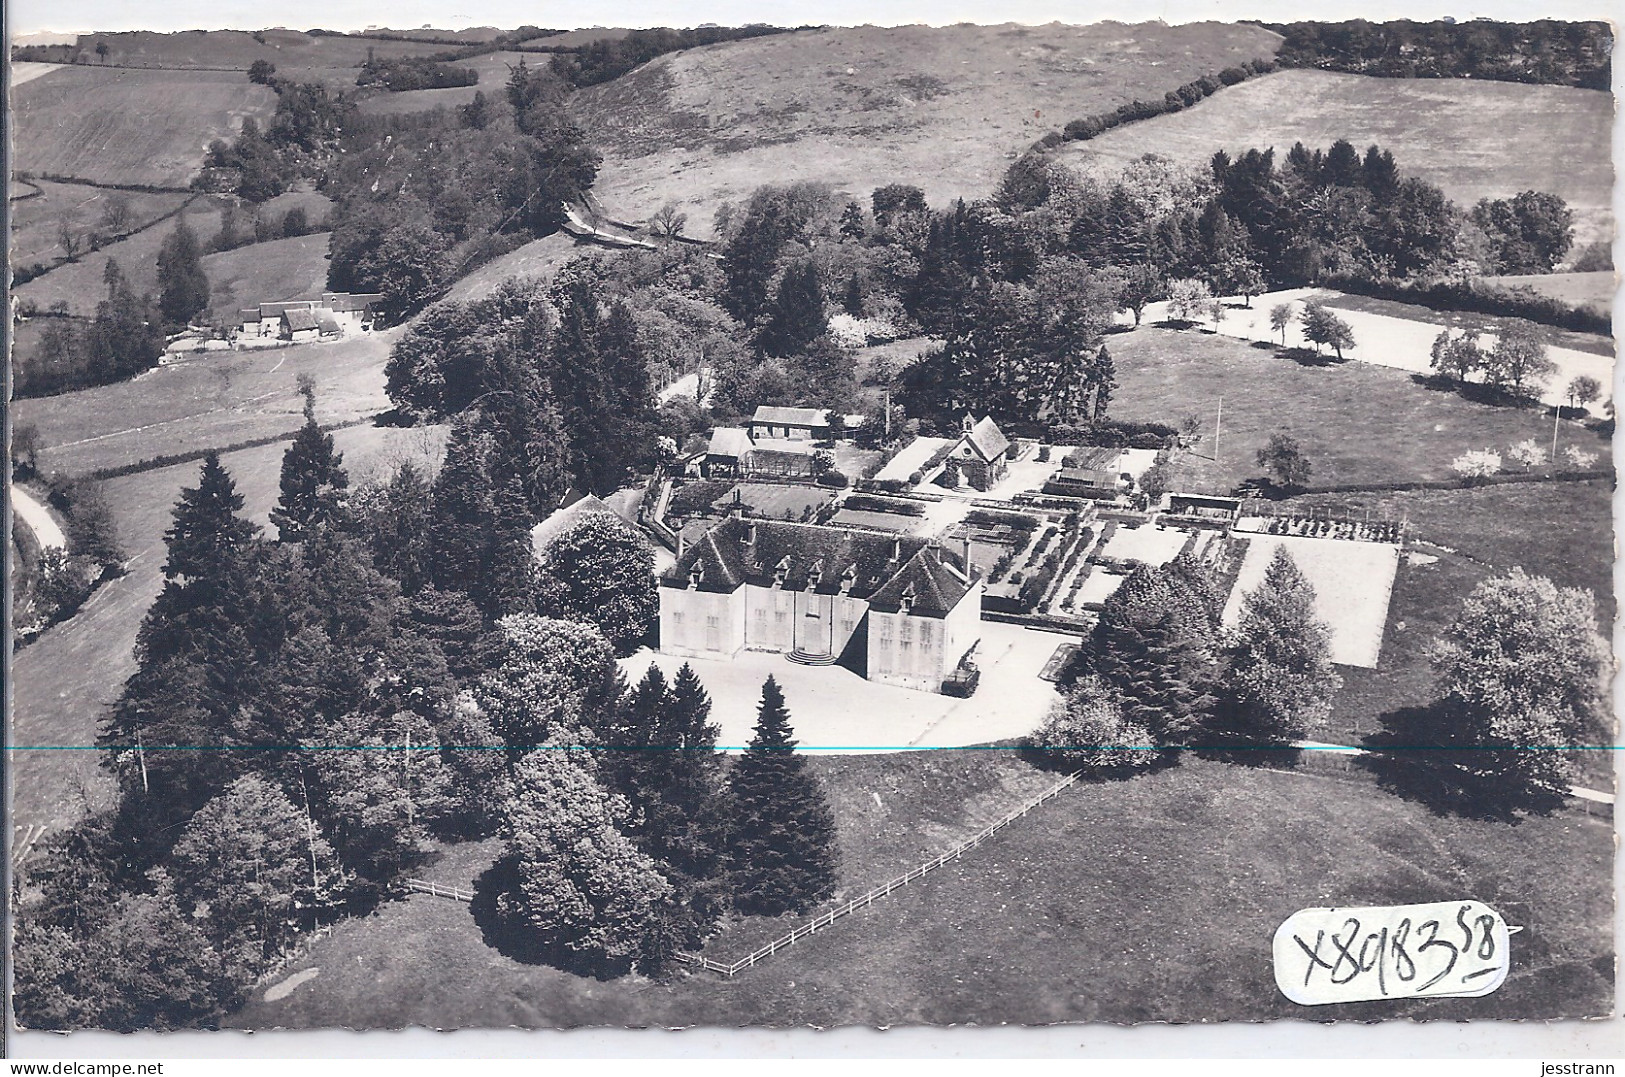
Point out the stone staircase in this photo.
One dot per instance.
(802, 658)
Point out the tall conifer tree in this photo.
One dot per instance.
(783, 845)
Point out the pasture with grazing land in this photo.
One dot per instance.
(1356, 422)
(941, 108)
(1472, 137)
(1103, 905)
(113, 125)
(334, 59)
(37, 222)
(266, 272)
(493, 68)
(80, 284)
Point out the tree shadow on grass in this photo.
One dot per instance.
(511, 937)
(1264, 345)
(1310, 357)
(1412, 756)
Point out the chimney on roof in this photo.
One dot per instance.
(966, 565)
(750, 533)
(682, 545)
(897, 549)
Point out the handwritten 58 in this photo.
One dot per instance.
(1393, 951)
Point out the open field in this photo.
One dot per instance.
(218, 398)
(28, 72)
(1151, 545)
(64, 681)
(36, 223)
(1352, 581)
(1101, 906)
(1594, 290)
(1355, 422)
(1473, 138)
(267, 272)
(859, 108)
(80, 285)
(539, 258)
(492, 66)
(334, 60)
(111, 125)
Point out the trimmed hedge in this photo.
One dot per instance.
(1081, 130)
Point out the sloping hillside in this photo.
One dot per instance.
(942, 108)
(1473, 138)
(112, 125)
(269, 272)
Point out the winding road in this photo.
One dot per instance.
(38, 518)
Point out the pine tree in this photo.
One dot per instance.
(1154, 646)
(1103, 377)
(207, 534)
(183, 284)
(782, 847)
(1280, 681)
(396, 529)
(464, 515)
(798, 316)
(314, 482)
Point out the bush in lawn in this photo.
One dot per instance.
(1087, 731)
(1477, 464)
(833, 479)
(1578, 456)
(1043, 454)
(1527, 453)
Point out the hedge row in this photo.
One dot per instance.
(1088, 127)
(153, 463)
(1522, 302)
(866, 503)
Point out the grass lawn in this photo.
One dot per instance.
(1473, 138)
(1148, 900)
(862, 107)
(540, 258)
(1594, 290)
(299, 56)
(777, 501)
(1562, 530)
(113, 125)
(1356, 422)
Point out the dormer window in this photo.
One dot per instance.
(848, 578)
(780, 571)
(815, 575)
(696, 575)
(905, 602)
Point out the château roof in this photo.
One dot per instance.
(827, 560)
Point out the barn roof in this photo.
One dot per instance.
(559, 521)
(766, 413)
(732, 441)
(299, 320)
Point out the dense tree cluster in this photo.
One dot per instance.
(399, 73)
(611, 57)
(124, 338)
(1544, 51)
